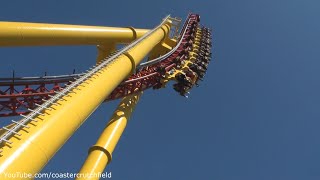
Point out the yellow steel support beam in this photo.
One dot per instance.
(39, 34)
(35, 146)
(163, 48)
(101, 153)
(104, 51)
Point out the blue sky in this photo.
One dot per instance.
(254, 117)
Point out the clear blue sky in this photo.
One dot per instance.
(256, 115)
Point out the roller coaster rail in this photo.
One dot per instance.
(31, 96)
(53, 107)
(73, 84)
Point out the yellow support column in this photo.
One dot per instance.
(31, 148)
(101, 153)
(39, 34)
(104, 51)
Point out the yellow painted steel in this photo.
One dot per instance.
(105, 50)
(101, 153)
(34, 148)
(39, 34)
(163, 48)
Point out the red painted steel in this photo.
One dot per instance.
(19, 95)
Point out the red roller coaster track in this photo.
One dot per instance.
(17, 95)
